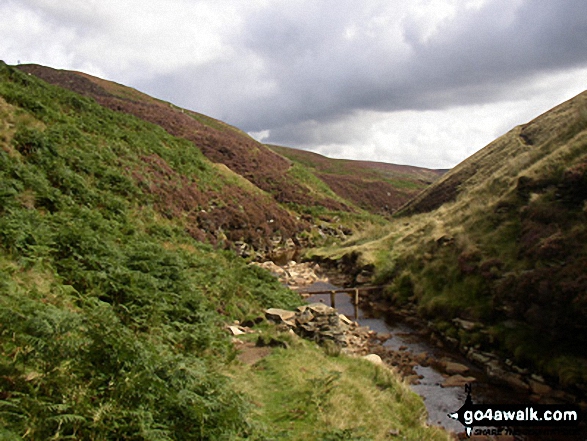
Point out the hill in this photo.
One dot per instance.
(501, 241)
(113, 310)
(297, 185)
(373, 186)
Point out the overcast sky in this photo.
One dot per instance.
(419, 82)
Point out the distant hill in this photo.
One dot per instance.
(500, 240)
(255, 162)
(374, 186)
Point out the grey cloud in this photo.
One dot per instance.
(476, 57)
(304, 69)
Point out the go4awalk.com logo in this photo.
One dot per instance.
(515, 415)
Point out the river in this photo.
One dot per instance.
(439, 401)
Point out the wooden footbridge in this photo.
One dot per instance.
(333, 292)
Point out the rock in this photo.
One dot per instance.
(383, 337)
(457, 381)
(363, 277)
(280, 316)
(515, 380)
(465, 324)
(453, 368)
(304, 317)
(235, 330)
(422, 358)
(412, 379)
(373, 358)
(321, 309)
(539, 388)
(537, 377)
(344, 319)
(479, 357)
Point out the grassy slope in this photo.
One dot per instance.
(218, 141)
(307, 393)
(501, 239)
(111, 309)
(304, 186)
(376, 187)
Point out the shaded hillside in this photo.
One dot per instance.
(501, 240)
(374, 186)
(505, 158)
(218, 141)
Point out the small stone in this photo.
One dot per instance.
(515, 380)
(343, 318)
(421, 358)
(384, 337)
(539, 388)
(465, 324)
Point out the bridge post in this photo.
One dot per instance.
(356, 302)
(332, 295)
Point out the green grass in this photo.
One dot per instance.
(510, 248)
(112, 315)
(302, 393)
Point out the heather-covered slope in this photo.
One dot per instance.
(218, 141)
(501, 240)
(309, 183)
(113, 312)
(374, 186)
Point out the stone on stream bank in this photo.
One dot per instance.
(294, 275)
(316, 321)
(321, 323)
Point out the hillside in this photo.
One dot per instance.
(299, 185)
(500, 240)
(373, 186)
(113, 310)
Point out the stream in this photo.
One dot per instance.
(439, 401)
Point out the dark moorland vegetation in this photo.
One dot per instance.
(110, 314)
(373, 186)
(501, 240)
(113, 308)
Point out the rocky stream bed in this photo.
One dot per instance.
(430, 362)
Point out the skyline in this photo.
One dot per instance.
(426, 83)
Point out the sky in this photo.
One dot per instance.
(419, 82)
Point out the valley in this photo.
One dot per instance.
(133, 232)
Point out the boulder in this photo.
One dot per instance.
(373, 358)
(457, 381)
(278, 316)
(453, 368)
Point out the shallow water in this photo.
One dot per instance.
(439, 401)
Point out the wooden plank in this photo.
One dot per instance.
(341, 290)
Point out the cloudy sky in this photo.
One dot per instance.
(419, 82)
